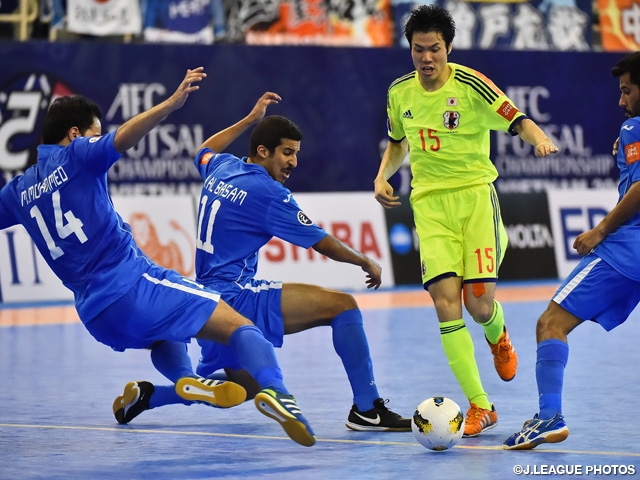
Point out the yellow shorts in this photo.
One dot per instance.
(460, 233)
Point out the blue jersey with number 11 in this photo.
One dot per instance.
(241, 209)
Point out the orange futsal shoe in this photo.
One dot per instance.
(479, 420)
(505, 358)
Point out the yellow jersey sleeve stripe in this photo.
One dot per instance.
(477, 84)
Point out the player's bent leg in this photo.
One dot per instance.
(307, 306)
(171, 359)
(222, 324)
(284, 410)
(487, 312)
(216, 393)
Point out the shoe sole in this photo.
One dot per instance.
(121, 402)
(295, 429)
(222, 395)
(365, 428)
(493, 425)
(552, 437)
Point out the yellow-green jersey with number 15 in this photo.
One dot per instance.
(448, 129)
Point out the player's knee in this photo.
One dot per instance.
(552, 324)
(337, 303)
(480, 310)
(347, 302)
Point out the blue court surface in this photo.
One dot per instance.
(58, 385)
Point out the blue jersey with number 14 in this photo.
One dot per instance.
(63, 202)
(241, 209)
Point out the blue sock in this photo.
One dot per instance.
(552, 359)
(172, 360)
(350, 343)
(166, 395)
(256, 355)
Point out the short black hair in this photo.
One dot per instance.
(270, 132)
(431, 18)
(629, 64)
(67, 112)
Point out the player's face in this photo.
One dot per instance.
(429, 54)
(283, 160)
(629, 96)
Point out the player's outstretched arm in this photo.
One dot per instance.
(133, 130)
(221, 140)
(333, 248)
(391, 160)
(533, 135)
(627, 207)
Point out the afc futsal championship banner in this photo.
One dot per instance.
(340, 108)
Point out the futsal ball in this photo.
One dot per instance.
(438, 423)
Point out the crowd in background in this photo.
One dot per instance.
(561, 25)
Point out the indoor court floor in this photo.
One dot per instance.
(58, 385)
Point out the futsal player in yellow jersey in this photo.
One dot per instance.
(442, 114)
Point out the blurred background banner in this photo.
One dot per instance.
(336, 95)
(366, 23)
(104, 17)
(559, 25)
(619, 24)
(179, 22)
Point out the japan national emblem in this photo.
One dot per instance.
(451, 120)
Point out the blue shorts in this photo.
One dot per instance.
(162, 305)
(261, 302)
(595, 291)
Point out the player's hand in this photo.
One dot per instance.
(587, 241)
(374, 274)
(186, 87)
(384, 193)
(260, 109)
(545, 148)
(616, 145)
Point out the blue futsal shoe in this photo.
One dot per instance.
(216, 393)
(536, 431)
(284, 410)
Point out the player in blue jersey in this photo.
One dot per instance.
(604, 287)
(243, 205)
(122, 298)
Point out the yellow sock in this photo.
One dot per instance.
(495, 326)
(458, 347)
